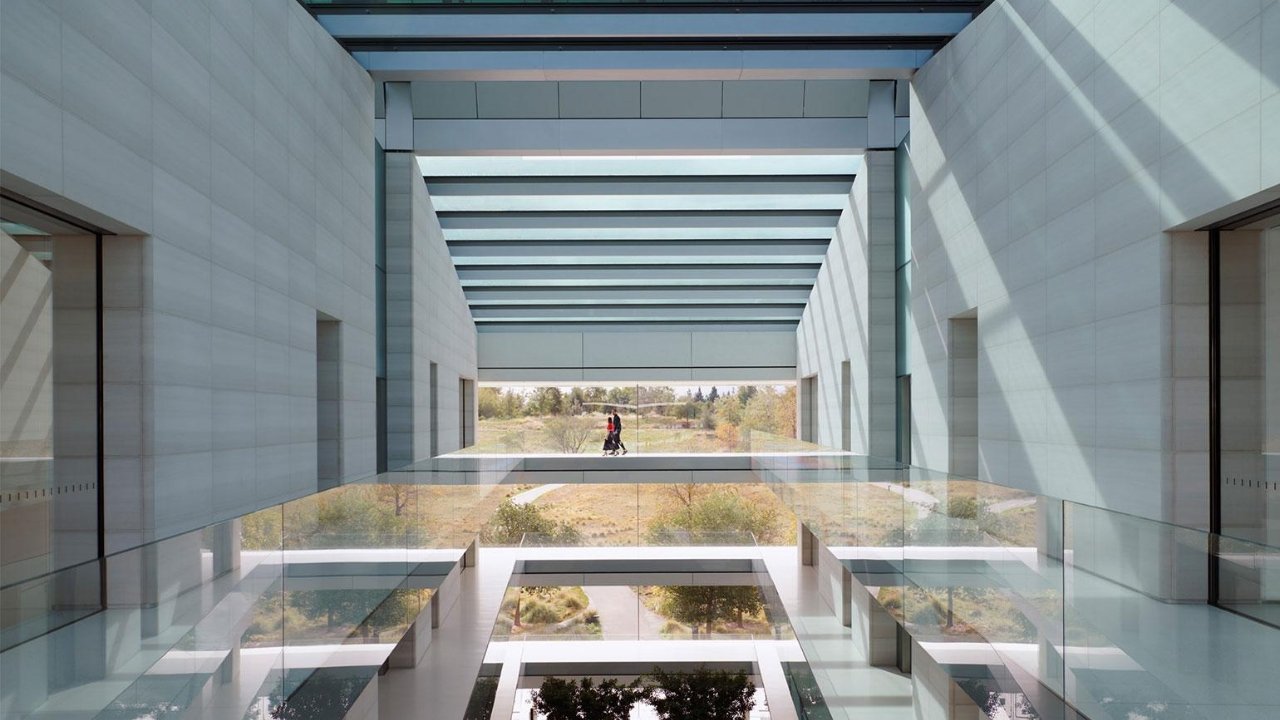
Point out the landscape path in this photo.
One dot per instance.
(622, 615)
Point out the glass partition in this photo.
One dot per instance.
(655, 419)
(49, 423)
(1039, 604)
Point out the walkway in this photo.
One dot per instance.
(532, 494)
(622, 615)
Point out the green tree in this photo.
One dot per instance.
(513, 404)
(712, 515)
(547, 401)
(703, 606)
(713, 395)
(622, 397)
(489, 403)
(584, 700)
(511, 522)
(703, 694)
(728, 410)
(576, 401)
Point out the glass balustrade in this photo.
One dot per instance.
(1014, 594)
(1058, 603)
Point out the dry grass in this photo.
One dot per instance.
(621, 514)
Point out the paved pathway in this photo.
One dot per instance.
(532, 494)
(1004, 505)
(622, 615)
(923, 501)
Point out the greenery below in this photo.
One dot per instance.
(347, 615)
(697, 695)
(538, 610)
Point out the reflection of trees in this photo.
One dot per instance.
(326, 693)
(480, 707)
(284, 618)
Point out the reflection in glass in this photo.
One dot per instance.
(48, 429)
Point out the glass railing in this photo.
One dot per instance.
(1058, 603)
(278, 613)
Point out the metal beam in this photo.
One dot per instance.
(636, 64)
(653, 24)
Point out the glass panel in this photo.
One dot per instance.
(48, 429)
(656, 419)
(1250, 367)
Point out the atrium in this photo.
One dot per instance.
(640, 359)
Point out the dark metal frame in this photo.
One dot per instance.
(1215, 411)
(1234, 222)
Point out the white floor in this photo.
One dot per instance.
(440, 686)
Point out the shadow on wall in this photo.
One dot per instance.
(1037, 168)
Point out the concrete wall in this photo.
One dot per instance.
(428, 321)
(638, 356)
(1054, 143)
(850, 317)
(229, 144)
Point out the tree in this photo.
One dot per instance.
(513, 404)
(746, 392)
(703, 694)
(728, 410)
(705, 605)
(576, 401)
(698, 397)
(623, 397)
(489, 403)
(511, 522)
(729, 437)
(714, 515)
(713, 395)
(547, 401)
(566, 700)
(570, 433)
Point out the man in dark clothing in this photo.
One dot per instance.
(617, 431)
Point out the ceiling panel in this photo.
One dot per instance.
(638, 242)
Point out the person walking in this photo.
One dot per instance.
(617, 432)
(610, 447)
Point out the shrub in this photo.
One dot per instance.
(536, 612)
